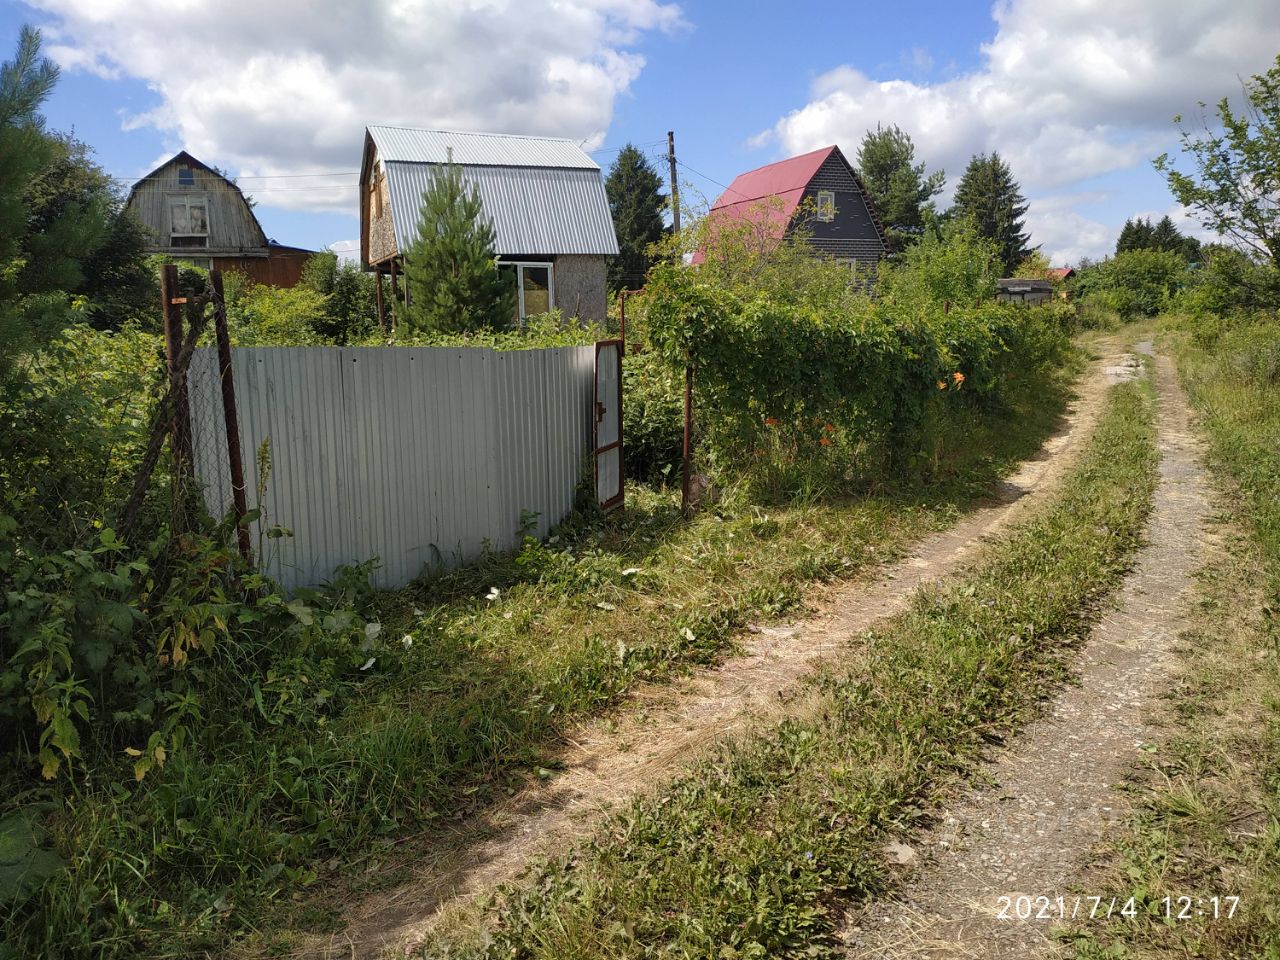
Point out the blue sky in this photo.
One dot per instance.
(1077, 95)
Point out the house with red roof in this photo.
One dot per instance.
(819, 191)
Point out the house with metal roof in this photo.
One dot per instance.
(193, 213)
(544, 196)
(819, 191)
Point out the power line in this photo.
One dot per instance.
(274, 176)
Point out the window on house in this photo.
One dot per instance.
(826, 205)
(535, 287)
(188, 221)
(375, 190)
(186, 177)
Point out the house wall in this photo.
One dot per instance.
(852, 235)
(381, 233)
(581, 286)
(281, 268)
(233, 229)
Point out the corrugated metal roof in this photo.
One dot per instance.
(490, 149)
(535, 210)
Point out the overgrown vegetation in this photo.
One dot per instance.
(805, 384)
(744, 856)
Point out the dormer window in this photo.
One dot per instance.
(826, 205)
(186, 177)
(188, 221)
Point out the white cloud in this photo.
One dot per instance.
(284, 87)
(1067, 91)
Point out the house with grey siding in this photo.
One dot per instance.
(818, 192)
(193, 213)
(544, 196)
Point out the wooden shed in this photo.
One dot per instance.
(194, 213)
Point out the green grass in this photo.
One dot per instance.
(746, 855)
(1207, 811)
(275, 821)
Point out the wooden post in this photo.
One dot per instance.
(395, 294)
(675, 189)
(235, 460)
(173, 304)
(686, 507)
(377, 293)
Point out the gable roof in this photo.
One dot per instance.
(545, 195)
(770, 195)
(187, 160)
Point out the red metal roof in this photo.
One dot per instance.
(767, 195)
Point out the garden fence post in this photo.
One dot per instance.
(173, 336)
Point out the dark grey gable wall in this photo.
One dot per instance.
(852, 234)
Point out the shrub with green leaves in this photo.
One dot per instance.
(832, 395)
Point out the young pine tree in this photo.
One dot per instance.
(450, 271)
(989, 196)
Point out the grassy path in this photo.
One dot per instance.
(1200, 850)
(742, 855)
(608, 762)
(991, 874)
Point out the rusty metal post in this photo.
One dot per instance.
(685, 488)
(235, 459)
(173, 304)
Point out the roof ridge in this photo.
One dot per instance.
(474, 133)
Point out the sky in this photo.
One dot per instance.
(1077, 95)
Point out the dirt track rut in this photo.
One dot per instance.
(1053, 791)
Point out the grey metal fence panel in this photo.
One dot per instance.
(421, 457)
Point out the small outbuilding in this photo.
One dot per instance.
(1030, 292)
(545, 197)
(819, 191)
(194, 213)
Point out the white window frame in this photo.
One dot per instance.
(200, 200)
(827, 199)
(551, 282)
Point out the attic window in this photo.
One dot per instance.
(188, 221)
(826, 205)
(186, 177)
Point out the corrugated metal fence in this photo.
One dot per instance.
(422, 457)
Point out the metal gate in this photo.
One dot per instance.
(608, 423)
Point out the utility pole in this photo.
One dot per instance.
(675, 190)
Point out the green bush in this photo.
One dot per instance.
(1133, 283)
(806, 397)
(652, 419)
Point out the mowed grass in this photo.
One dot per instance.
(749, 854)
(1207, 812)
(474, 677)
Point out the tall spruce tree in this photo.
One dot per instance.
(636, 202)
(1136, 234)
(989, 196)
(450, 270)
(900, 191)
